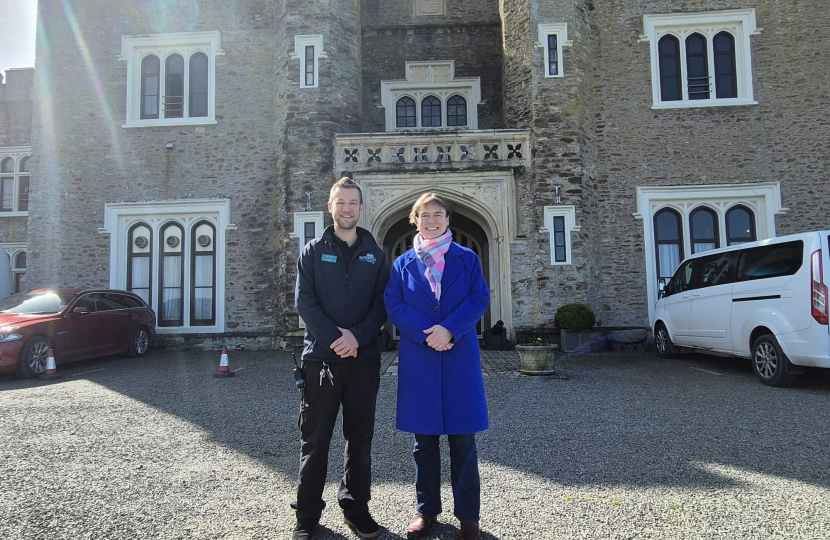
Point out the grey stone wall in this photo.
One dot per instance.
(16, 107)
(84, 158)
(308, 121)
(476, 51)
(15, 130)
(395, 13)
(783, 138)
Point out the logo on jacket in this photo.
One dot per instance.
(369, 258)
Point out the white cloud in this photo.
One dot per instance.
(18, 19)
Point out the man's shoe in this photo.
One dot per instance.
(418, 527)
(469, 531)
(304, 530)
(363, 525)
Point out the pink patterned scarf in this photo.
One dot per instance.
(431, 253)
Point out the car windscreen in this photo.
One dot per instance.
(34, 303)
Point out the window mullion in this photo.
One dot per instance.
(710, 52)
(186, 86)
(684, 68)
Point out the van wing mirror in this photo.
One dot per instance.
(80, 310)
(662, 286)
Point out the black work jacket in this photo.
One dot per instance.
(327, 296)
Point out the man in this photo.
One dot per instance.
(340, 282)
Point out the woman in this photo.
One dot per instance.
(435, 297)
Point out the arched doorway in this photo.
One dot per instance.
(465, 232)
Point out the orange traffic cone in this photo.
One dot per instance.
(51, 372)
(224, 368)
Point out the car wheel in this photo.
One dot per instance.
(770, 363)
(33, 358)
(139, 343)
(662, 342)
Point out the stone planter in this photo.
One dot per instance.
(537, 359)
(592, 340)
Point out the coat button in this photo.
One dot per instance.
(435, 308)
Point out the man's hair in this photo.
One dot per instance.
(345, 183)
(429, 198)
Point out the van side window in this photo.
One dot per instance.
(717, 269)
(770, 261)
(683, 278)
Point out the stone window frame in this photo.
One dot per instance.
(762, 198)
(300, 219)
(135, 48)
(17, 154)
(468, 88)
(569, 213)
(740, 23)
(560, 30)
(300, 43)
(14, 250)
(119, 219)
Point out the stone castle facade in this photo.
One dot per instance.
(185, 150)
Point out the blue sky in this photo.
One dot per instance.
(17, 39)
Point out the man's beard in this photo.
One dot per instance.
(346, 223)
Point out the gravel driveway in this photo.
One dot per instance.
(629, 446)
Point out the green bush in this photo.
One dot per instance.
(574, 317)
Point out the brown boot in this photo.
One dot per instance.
(418, 527)
(469, 531)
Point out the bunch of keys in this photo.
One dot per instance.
(326, 372)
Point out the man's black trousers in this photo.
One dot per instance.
(355, 388)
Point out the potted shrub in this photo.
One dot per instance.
(537, 357)
(576, 322)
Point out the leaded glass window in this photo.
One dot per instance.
(456, 111)
(405, 112)
(430, 112)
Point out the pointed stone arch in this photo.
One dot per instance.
(486, 197)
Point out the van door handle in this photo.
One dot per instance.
(686, 295)
(695, 294)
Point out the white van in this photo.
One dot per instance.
(763, 300)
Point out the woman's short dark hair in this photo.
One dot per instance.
(429, 198)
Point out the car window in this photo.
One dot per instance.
(87, 301)
(129, 301)
(717, 269)
(110, 301)
(770, 261)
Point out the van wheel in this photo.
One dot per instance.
(662, 341)
(769, 362)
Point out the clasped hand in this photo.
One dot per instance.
(346, 345)
(439, 338)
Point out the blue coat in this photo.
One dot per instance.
(439, 392)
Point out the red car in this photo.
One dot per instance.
(75, 323)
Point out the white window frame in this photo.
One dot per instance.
(569, 213)
(763, 198)
(420, 83)
(135, 48)
(13, 249)
(300, 219)
(17, 153)
(120, 217)
(560, 30)
(300, 43)
(738, 22)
